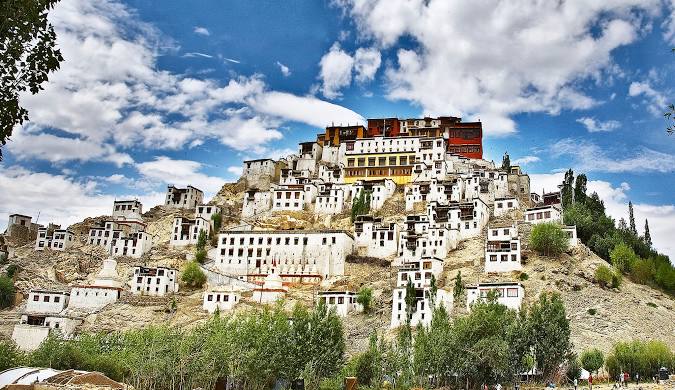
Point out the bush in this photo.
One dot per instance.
(10, 355)
(6, 292)
(641, 357)
(573, 368)
(201, 240)
(548, 239)
(623, 257)
(12, 270)
(617, 279)
(193, 276)
(200, 256)
(365, 298)
(523, 276)
(642, 271)
(592, 359)
(604, 276)
(592, 311)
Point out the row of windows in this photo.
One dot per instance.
(539, 215)
(296, 194)
(225, 297)
(510, 292)
(340, 300)
(508, 205)
(464, 149)
(46, 298)
(270, 240)
(504, 258)
(379, 161)
(379, 172)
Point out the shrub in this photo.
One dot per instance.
(642, 271)
(201, 240)
(573, 368)
(623, 257)
(652, 304)
(365, 298)
(6, 292)
(637, 356)
(523, 276)
(548, 239)
(616, 279)
(200, 256)
(12, 270)
(193, 276)
(592, 311)
(592, 359)
(10, 355)
(604, 275)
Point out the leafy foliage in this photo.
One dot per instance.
(639, 357)
(6, 292)
(605, 276)
(200, 256)
(201, 240)
(550, 328)
(548, 239)
(27, 55)
(193, 276)
(361, 204)
(458, 290)
(592, 360)
(623, 257)
(10, 355)
(365, 298)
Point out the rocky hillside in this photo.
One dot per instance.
(599, 316)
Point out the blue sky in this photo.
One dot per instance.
(159, 92)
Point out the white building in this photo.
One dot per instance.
(503, 206)
(420, 273)
(54, 238)
(271, 290)
(154, 281)
(541, 214)
(380, 190)
(441, 191)
(127, 209)
(343, 302)
(422, 237)
(330, 173)
(296, 255)
(46, 301)
(571, 232)
(469, 218)
(220, 299)
(293, 197)
(330, 199)
(106, 289)
(374, 238)
(256, 171)
(502, 249)
(41, 317)
(256, 202)
(121, 237)
(134, 245)
(183, 198)
(186, 230)
(207, 212)
(509, 294)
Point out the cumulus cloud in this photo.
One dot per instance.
(236, 170)
(586, 156)
(366, 64)
(655, 101)
(285, 71)
(110, 98)
(526, 160)
(201, 31)
(336, 71)
(594, 126)
(494, 59)
(57, 198)
(661, 217)
(180, 173)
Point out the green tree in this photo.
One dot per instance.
(631, 218)
(567, 189)
(28, 54)
(623, 257)
(193, 276)
(458, 290)
(648, 237)
(217, 219)
(550, 330)
(365, 298)
(592, 360)
(201, 240)
(580, 188)
(10, 355)
(200, 256)
(548, 239)
(410, 300)
(6, 292)
(573, 368)
(506, 162)
(604, 275)
(642, 271)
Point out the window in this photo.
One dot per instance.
(46, 298)
(36, 298)
(512, 292)
(57, 299)
(493, 257)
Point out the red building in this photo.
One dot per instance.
(464, 138)
(385, 127)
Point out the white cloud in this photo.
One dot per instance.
(493, 59)
(366, 64)
(201, 31)
(57, 198)
(336, 71)
(236, 170)
(661, 217)
(586, 156)
(594, 126)
(180, 173)
(197, 54)
(655, 101)
(284, 69)
(232, 60)
(525, 160)
(109, 98)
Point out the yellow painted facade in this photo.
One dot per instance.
(395, 166)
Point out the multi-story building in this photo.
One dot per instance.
(256, 202)
(21, 226)
(127, 209)
(158, 281)
(441, 191)
(42, 316)
(502, 249)
(330, 199)
(468, 218)
(343, 302)
(186, 230)
(509, 294)
(297, 255)
(293, 197)
(550, 213)
(503, 206)
(422, 236)
(207, 211)
(374, 238)
(121, 237)
(420, 274)
(335, 135)
(54, 238)
(380, 158)
(183, 198)
(378, 190)
(133, 244)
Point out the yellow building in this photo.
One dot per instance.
(395, 166)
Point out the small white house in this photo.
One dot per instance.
(509, 294)
(343, 302)
(127, 209)
(375, 238)
(183, 198)
(132, 245)
(223, 300)
(503, 206)
(186, 230)
(571, 232)
(54, 238)
(106, 289)
(33, 329)
(256, 202)
(540, 214)
(271, 291)
(502, 249)
(207, 211)
(46, 301)
(330, 200)
(293, 197)
(154, 281)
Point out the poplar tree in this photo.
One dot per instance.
(631, 218)
(567, 191)
(648, 237)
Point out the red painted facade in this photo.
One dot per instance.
(385, 127)
(464, 138)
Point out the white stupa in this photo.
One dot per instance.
(272, 289)
(108, 276)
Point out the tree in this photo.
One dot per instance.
(567, 190)
(6, 292)
(648, 237)
(217, 219)
(361, 204)
(550, 330)
(10, 355)
(193, 276)
(548, 239)
(604, 275)
(27, 55)
(200, 256)
(458, 290)
(365, 297)
(642, 271)
(631, 218)
(506, 162)
(201, 240)
(410, 300)
(580, 188)
(623, 257)
(592, 360)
